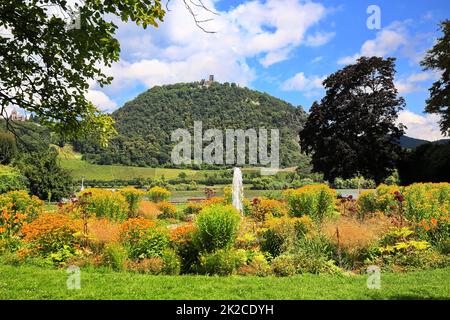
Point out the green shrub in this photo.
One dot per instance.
(367, 202)
(222, 262)
(281, 234)
(115, 256)
(316, 201)
(217, 227)
(133, 197)
(10, 244)
(193, 208)
(11, 180)
(190, 256)
(272, 242)
(315, 255)
(151, 244)
(172, 262)
(257, 265)
(354, 183)
(104, 203)
(284, 265)
(8, 147)
(157, 194)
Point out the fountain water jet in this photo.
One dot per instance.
(237, 190)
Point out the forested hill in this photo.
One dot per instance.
(145, 123)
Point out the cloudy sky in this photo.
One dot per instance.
(283, 47)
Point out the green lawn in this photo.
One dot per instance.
(80, 168)
(28, 282)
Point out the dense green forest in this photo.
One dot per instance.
(145, 123)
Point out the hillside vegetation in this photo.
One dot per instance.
(145, 123)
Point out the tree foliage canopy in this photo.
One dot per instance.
(8, 147)
(46, 67)
(46, 178)
(352, 131)
(438, 58)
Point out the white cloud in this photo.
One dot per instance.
(309, 85)
(410, 84)
(100, 100)
(317, 59)
(405, 86)
(387, 41)
(274, 57)
(179, 51)
(319, 38)
(421, 126)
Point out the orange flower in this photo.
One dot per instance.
(182, 233)
(433, 221)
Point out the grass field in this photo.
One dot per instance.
(28, 282)
(79, 168)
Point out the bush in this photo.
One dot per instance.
(281, 234)
(51, 233)
(400, 250)
(135, 228)
(172, 262)
(284, 265)
(151, 244)
(157, 194)
(115, 256)
(181, 239)
(354, 183)
(315, 255)
(193, 208)
(133, 197)
(426, 200)
(437, 232)
(317, 201)
(256, 266)
(11, 180)
(262, 208)
(21, 201)
(217, 227)
(8, 147)
(182, 233)
(381, 199)
(153, 265)
(168, 210)
(222, 262)
(104, 203)
(17, 208)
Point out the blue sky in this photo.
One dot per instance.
(283, 47)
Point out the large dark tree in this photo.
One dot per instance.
(353, 131)
(429, 162)
(438, 59)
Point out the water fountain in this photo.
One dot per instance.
(237, 190)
